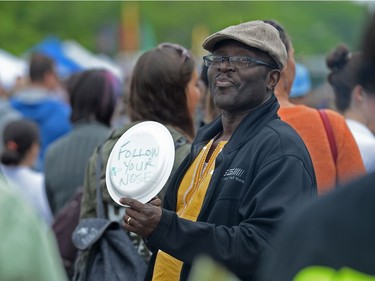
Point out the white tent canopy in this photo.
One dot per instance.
(87, 60)
(11, 68)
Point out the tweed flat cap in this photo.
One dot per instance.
(256, 34)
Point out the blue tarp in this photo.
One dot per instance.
(52, 47)
(302, 82)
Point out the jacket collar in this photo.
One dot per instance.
(247, 129)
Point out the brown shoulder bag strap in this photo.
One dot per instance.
(329, 131)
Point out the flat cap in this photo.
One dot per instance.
(256, 34)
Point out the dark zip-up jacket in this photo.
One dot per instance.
(262, 171)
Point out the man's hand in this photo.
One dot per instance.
(140, 218)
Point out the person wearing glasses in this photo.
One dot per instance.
(244, 172)
(163, 88)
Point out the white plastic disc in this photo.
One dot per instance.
(140, 162)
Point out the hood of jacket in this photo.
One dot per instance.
(38, 104)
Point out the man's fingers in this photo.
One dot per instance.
(129, 227)
(140, 218)
(155, 202)
(132, 213)
(134, 204)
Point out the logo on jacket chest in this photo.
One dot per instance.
(234, 174)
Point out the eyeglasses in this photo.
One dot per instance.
(237, 61)
(183, 52)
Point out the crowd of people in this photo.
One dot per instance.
(268, 188)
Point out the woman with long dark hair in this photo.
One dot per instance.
(164, 88)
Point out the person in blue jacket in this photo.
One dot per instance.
(245, 170)
(41, 103)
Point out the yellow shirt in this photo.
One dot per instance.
(190, 198)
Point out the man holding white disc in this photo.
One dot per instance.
(245, 170)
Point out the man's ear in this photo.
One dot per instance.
(272, 78)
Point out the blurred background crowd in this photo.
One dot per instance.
(65, 71)
(80, 35)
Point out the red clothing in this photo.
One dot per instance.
(309, 125)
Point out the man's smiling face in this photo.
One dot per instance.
(237, 89)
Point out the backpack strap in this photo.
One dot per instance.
(330, 135)
(99, 196)
(180, 142)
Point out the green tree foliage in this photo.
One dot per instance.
(24, 24)
(315, 26)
